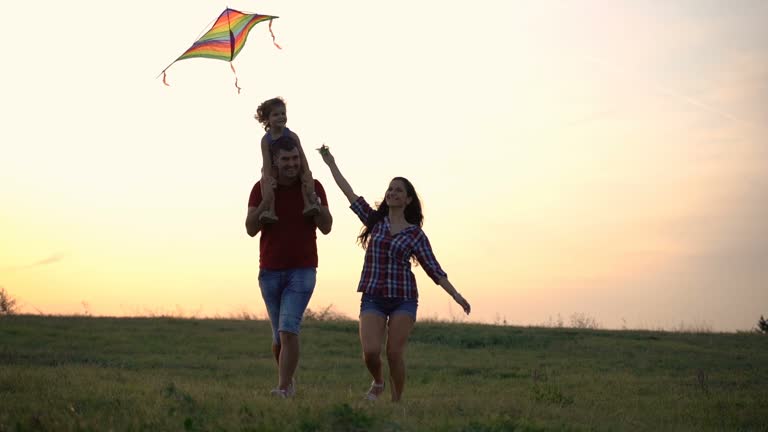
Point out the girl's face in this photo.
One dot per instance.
(397, 196)
(278, 118)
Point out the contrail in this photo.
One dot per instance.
(669, 92)
(45, 261)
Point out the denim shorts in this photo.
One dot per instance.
(286, 294)
(388, 306)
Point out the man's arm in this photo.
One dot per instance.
(252, 224)
(323, 220)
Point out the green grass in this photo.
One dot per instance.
(81, 373)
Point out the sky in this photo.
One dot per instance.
(605, 159)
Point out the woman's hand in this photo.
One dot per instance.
(325, 152)
(462, 302)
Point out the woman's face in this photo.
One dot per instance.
(396, 194)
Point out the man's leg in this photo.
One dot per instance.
(296, 296)
(271, 292)
(288, 358)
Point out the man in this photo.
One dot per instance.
(288, 256)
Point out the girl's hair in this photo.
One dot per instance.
(412, 213)
(266, 107)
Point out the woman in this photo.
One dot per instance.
(392, 237)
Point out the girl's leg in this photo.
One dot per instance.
(308, 183)
(400, 326)
(310, 197)
(372, 327)
(269, 215)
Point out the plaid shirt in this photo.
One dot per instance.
(387, 268)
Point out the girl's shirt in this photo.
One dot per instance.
(387, 266)
(271, 141)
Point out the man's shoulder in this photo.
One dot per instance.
(255, 195)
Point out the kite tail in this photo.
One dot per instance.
(234, 72)
(273, 35)
(164, 81)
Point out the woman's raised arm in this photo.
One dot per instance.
(337, 176)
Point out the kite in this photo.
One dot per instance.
(225, 39)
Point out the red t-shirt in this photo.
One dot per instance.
(292, 241)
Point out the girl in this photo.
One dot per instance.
(272, 115)
(391, 237)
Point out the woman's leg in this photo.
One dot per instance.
(400, 326)
(372, 327)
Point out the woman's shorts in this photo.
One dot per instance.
(388, 306)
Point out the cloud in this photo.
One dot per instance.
(51, 259)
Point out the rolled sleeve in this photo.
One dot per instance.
(361, 209)
(425, 256)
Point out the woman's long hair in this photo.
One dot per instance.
(412, 213)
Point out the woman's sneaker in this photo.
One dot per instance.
(279, 393)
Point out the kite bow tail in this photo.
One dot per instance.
(164, 81)
(273, 35)
(235, 72)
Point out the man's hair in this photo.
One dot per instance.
(285, 143)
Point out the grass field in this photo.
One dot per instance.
(153, 374)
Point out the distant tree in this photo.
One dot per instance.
(762, 325)
(7, 303)
(583, 321)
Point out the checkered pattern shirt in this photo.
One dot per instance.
(387, 267)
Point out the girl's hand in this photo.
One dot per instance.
(325, 152)
(462, 302)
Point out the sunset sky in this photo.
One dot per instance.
(605, 158)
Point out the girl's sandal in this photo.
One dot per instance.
(374, 391)
(267, 218)
(311, 210)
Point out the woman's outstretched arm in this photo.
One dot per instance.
(337, 176)
(457, 297)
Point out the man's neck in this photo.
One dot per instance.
(286, 181)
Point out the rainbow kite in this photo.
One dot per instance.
(225, 39)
